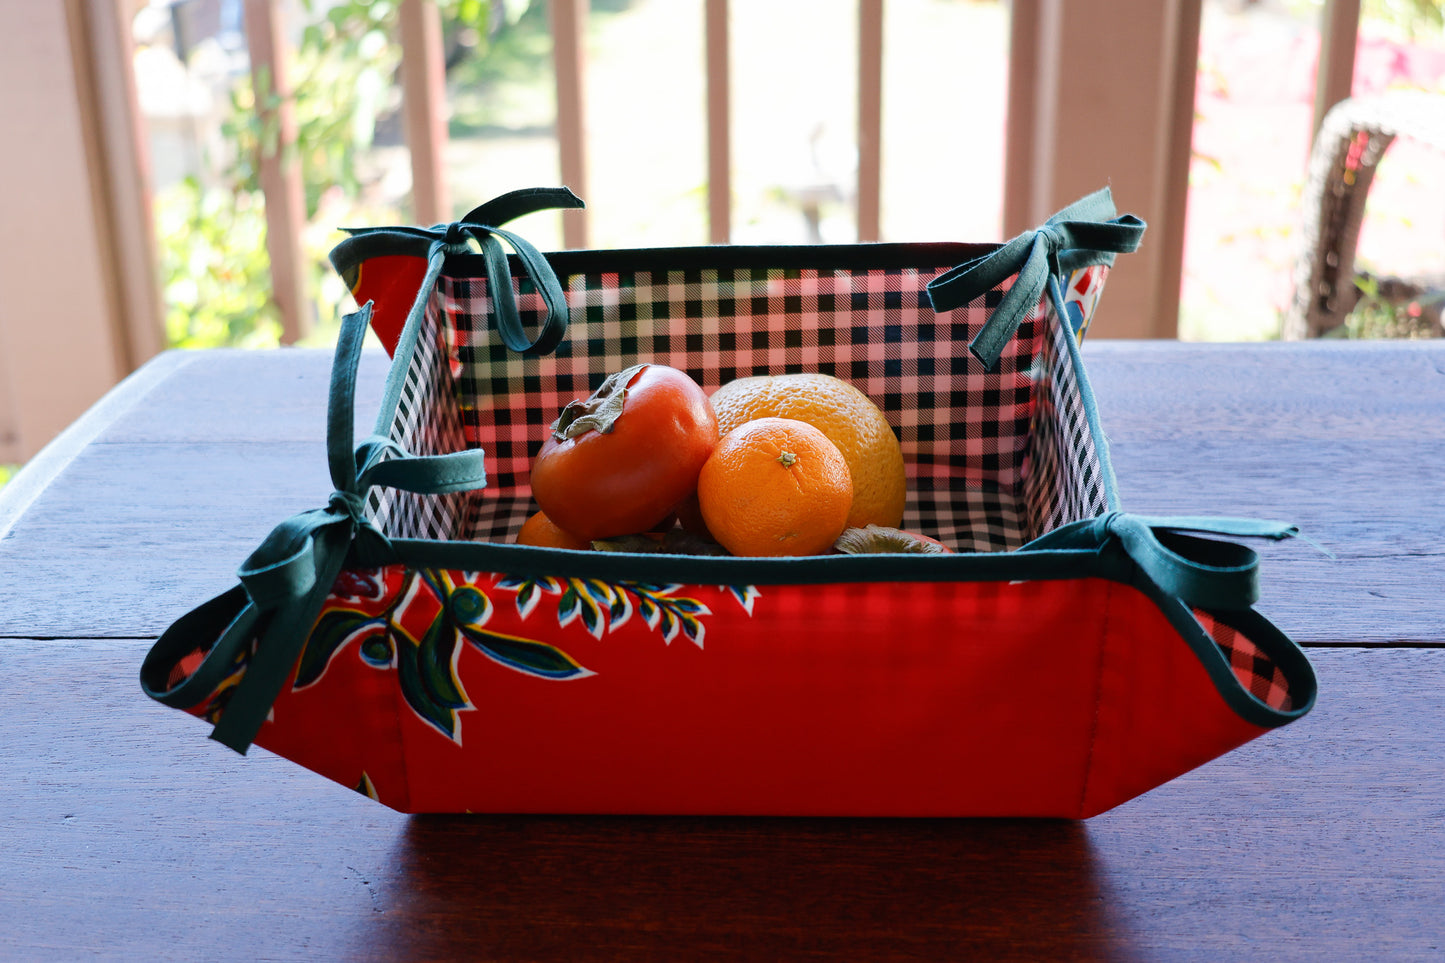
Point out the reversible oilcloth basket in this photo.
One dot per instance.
(1065, 657)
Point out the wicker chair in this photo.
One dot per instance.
(1350, 144)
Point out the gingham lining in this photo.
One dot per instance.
(1066, 483)
(1255, 671)
(426, 423)
(994, 459)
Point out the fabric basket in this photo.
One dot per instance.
(1066, 657)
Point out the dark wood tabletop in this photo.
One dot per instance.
(124, 832)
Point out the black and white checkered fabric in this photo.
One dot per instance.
(426, 423)
(1066, 482)
(994, 459)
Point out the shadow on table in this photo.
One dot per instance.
(697, 888)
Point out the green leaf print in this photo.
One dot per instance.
(526, 655)
(333, 630)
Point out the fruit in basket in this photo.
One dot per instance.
(775, 486)
(617, 463)
(688, 513)
(541, 531)
(875, 539)
(849, 419)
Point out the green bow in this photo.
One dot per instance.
(1083, 234)
(1200, 572)
(285, 581)
(479, 225)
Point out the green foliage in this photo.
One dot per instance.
(340, 79)
(1389, 308)
(1417, 18)
(502, 76)
(215, 275)
(516, 54)
(212, 241)
(1414, 18)
(215, 270)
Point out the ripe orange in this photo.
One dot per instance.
(541, 531)
(775, 486)
(847, 416)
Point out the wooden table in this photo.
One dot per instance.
(125, 832)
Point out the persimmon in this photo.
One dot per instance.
(618, 462)
(688, 513)
(541, 531)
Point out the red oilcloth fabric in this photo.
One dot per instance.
(1035, 698)
(390, 282)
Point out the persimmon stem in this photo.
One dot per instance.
(600, 411)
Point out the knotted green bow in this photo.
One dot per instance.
(1083, 234)
(1200, 572)
(480, 225)
(1164, 558)
(286, 579)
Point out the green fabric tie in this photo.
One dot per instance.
(285, 581)
(1083, 234)
(479, 225)
(1201, 572)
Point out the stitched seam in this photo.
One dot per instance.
(1098, 696)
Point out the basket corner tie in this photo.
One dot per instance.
(1203, 573)
(481, 225)
(1081, 235)
(287, 579)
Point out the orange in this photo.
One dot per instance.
(541, 531)
(775, 486)
(847, 416)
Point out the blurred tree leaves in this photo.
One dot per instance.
(215, 271)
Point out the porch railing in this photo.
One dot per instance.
(1098, 91)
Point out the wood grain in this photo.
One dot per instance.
(157, 503)
(124, 832)
(1345, 439)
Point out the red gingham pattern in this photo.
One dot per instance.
(970, 439)
(1254, 670)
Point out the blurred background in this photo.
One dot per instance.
(206, 110)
